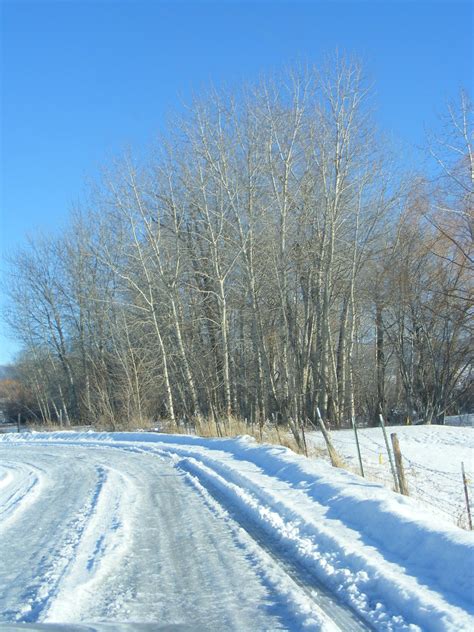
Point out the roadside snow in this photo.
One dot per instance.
(432, 457)
(291, 518)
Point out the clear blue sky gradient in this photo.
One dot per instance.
(83, 80)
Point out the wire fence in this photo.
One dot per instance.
(440, 489)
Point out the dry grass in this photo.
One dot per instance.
(52, 426)
(49, 426)
(338, 461)
(235, 427)
(202, 427)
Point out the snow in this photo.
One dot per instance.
(218, 534)
(432, 457)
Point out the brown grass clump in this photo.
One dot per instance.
(235, 427)
(49, 426)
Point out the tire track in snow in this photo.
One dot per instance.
(110, 597)
(36, 597)
(344, 618)
(215, 474)
(288, 575)
(312, 542)
(19, 488)
(104, 543)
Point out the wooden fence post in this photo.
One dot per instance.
(399, 464)
(354, 426)
(277, 430)
(333, 455)
(466, 495)
(389, 452)
(304, 439)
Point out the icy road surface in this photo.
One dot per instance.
(216, 535)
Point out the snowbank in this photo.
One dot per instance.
(382, 553)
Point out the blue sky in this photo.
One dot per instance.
(84, 80)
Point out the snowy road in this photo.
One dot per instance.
(222, 535)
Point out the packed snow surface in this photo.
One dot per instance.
(216, 535)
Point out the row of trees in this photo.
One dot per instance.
(265, 259)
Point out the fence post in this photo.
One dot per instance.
(466, 494)
(18, 422)
(277, 430)
(333, 455)
(304, 439)
(399, 464)
(354, 426)
(389, 452)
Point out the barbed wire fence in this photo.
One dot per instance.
(442, 491)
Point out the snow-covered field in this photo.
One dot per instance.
(432, 457)
(217, 535)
